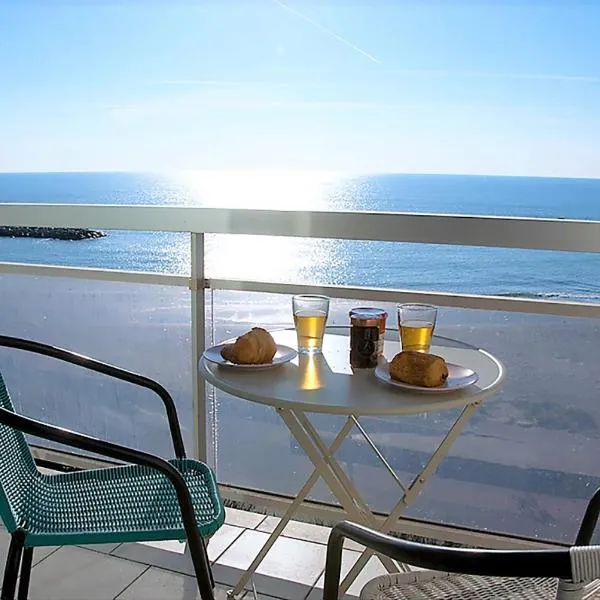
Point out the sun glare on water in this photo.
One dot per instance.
(278, 190)
(264, 258)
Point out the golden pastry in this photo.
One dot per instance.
(227, 353)
(257, 347)
(418, 368)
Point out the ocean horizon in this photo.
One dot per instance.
(174, 173)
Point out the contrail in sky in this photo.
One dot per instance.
(328, 32)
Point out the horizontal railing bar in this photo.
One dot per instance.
(462, 230)
(369, 294)
(115, 275)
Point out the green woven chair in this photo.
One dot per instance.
(146, 499)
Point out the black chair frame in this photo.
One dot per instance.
(494, 563)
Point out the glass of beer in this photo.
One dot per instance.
(416, 323)
(310, 316)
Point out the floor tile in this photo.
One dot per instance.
(297, 530)
(266, 587)
(73, 573)
(47, 471)
(243, 518)
(4, 543)
(372, 569)
(268, 525)
(219, 542)
(305, 531)
(172, 555)
(250, 596)
(227, 576)
(156, 557)
(158, 584)
(39, 554)
(104, 548)
(348, 559)
(288, 562)
(168, 545)
(352, 545)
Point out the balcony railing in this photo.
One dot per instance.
(499, 232)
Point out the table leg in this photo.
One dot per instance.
(345, 481)
(332, 473)
(413, 489)
(333, 465)
(289, 513)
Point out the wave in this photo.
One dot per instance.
(572, 296)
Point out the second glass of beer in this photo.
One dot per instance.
(310, 316)
(416, 323)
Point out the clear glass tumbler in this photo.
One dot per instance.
(416, 323)
(310, 317)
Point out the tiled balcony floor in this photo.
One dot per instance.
(293, 570)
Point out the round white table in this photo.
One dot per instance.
(325, 383)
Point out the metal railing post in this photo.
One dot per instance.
(198, 343)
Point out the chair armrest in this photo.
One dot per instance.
(110, 370)
(499, 563)
(116, 451)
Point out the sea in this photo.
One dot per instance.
(527, 273)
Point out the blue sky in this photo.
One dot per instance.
(431, 86)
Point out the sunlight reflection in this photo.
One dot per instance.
(269, 258)
(287, 190)
(311, 371)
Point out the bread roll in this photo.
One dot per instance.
(257, 347)
(227, 353)
(418, 368)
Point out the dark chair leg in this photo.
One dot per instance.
(333, 565)
(11, 570)
(25, 574)
(201, 567)
(212, 579)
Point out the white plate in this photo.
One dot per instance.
(284, 354)
(458, 379)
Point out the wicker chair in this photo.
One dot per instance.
(146, 499)
(466, 574)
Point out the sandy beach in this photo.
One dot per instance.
(525, 464)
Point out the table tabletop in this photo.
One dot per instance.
(325, 383)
